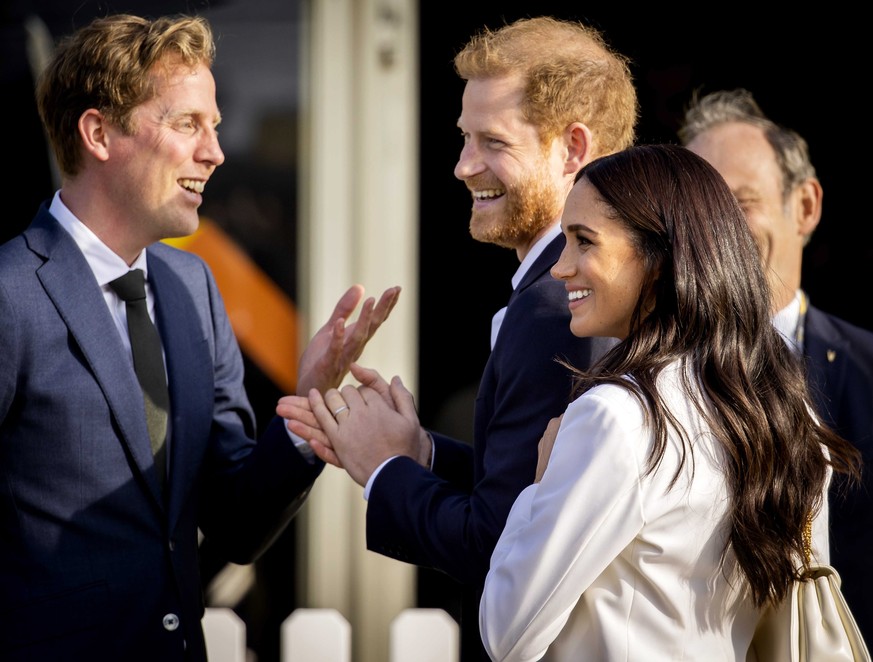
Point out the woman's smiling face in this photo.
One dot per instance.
(601, 268)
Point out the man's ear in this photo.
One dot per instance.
(809, 203)
(580, 147)
(95, 138)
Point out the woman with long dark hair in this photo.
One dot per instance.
(673, 494)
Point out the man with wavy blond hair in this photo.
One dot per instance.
(116, 448)
(543, 97)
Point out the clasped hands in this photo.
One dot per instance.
(357, 428)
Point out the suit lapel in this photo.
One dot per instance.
(70, 284)
(190, 374)
(542, 264)
(826, 354)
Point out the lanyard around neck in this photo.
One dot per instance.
(801, 320)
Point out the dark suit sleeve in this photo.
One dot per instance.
(248, 505)
(9, 330)
(251, 490)
(840, 362)
(430, 519)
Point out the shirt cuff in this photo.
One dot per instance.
(373, 475)
(301, 445)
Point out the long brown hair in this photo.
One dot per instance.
(712, 311)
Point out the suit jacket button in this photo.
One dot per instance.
(171, 622)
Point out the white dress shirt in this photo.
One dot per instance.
(526, 263)
(496, 321)
(790, 319)
(612, 563)
(107, 266)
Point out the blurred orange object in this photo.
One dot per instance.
(263, 317)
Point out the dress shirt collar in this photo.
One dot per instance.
(534, 253)
(105, 264)
(787, 322)
(529, 259)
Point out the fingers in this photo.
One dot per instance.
(554, 425)
(337, 341)
(344, 309)
(305, 424)
(333, 406)
(403, 400)
(367, 376)
(372, 379)
(325, 453)
(386, 304)
(322, 411)
(358, 333)
(298, 416)
(308, 433)
(404, 403)
(379, 312)
(347, 303)
(326, 358)
(301, 421)
(295, 406)
(369, 320)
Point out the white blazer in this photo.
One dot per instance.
(610, 564)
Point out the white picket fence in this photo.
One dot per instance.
(324, 635)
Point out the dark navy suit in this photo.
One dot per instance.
(450, 519)
(93, 564)
(839, 358)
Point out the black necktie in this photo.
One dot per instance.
(148, 362)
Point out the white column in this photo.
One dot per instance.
(358, 223)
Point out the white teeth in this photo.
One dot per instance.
(575, 295)
(488, 194)
(193, 185)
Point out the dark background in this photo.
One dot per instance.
(781, 58)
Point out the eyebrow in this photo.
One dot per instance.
(580, 227)
(193, 114)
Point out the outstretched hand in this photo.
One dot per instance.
(336, 345)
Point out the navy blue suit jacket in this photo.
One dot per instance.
(94, 564)
(450, 519)
(839, 359)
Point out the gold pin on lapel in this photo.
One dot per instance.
(832, 354)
